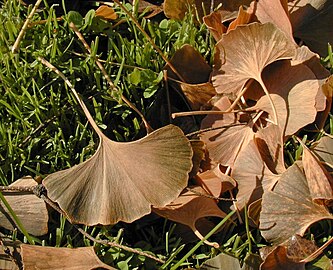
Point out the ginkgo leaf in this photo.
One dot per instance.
(243, 53)
(324, 150)
(52, 258)
(213, 21)
(189, 207)
(30, 209)
(228, 137)
(288, 209)
(122, 180)
(252, 176)
(270, 145)
(243, 17)
(320, 182)
(10, 261)
(312, 22)
(298, 86)
(273, 11)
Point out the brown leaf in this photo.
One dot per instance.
(252, 176)
(243, 17)
(273, 11)
(298, 87)
(30, 209)
(176, 9)
(228, 137)
(312, 21)
(288, 209)
(270, 145)
(122, 180)
(190, 207)
(320, 182)
(7, 262)
(105, 12)
(324, 150)
(213, 21)
(198, 156)
(242, 54)
(38, 257)
(278, 260)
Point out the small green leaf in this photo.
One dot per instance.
(135, 77)
(75, 17)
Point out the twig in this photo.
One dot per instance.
(24, 27)
(150, 40)
(107, 77)
(40, 191)
(213, 128)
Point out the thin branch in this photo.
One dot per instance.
(40, 191)
(107, 77)
(25, 27)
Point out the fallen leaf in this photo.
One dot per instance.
(227, 136)
(198, 156)
(41, 257)
(30, 209)
(213, 21)
(190, 207)
(122, 180)
(13, 261)
(273, 11)
(243, 17)
(176, 9)
(278, 260)
(252, 176)
(242, 54)
(270, 145)
(312, 22)
(324, 150)
(105, 12)
(320, 182)
(288, 209)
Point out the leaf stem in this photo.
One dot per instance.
(247, 229)
(16, 219)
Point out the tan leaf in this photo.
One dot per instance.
(273, 11)
(7, 262)
(242, 54)
(320, 182)
(38, 257)
(243, 17)
(189, 207)
(270, 145)
(122, 180)
(198, 156)
(312, 21)
(105, 12)
(228, 137)
(30, 209)
(176, 9)
(288, 209)
(252, 176)
(213, 21)
(298, 86)
(324, 150)
(278, 260)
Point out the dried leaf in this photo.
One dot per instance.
(105, 12)
(190, 207)
(278, 260)
(324, 150)
(122, 180)
(228, 137)
(243, 17)
(298, 86)
(213, 21)
(242, 54)
(38, 257)
(252, 176)
(198, 155)
(320, 182)
(312, 21)
(8, 262)
(30, 209)
(270, 145)
(273, 11)
(288, 209)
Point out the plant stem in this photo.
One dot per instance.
(247, 229)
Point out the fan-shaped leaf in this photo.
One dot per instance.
(122, 180)
(288, 209)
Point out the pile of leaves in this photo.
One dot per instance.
(238, 148)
